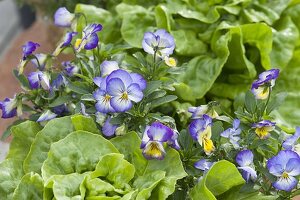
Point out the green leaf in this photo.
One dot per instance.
(84, 123)
(283, 47)
(136, 21)
(276, 101)
(250, 102)
(221, 177)
(30, 187)
(22, 79)
(54, 130)
(151, 87)
(24, 135)
(227, 90)
(163, 17)
(184, 92)
(163, 100)
(74, 154)
(79, 87)
(11, 173)
(115, 169)
(188, 44)
(60, 100)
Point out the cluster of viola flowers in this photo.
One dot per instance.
(118, 90)
(285, 165)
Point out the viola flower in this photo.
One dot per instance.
(263, 128)
(103, 104)
(173, 142)
(123, 90)
(29, 48)
(60, 110)
(153, 139)
(39, 79)
(108, 67)
(198, 112)
(290, 142)
(200, 130)
(9, 107)
(47, 115)
(233, 133)
(245, 161)
(171, 62)
(70, 69)
(203, 165)
(89, 37)
(42, 58)
(266, 80)
(109, 129)
(63, 18)
(59, 82)
(65, 43)
(285, 165)
(160, 42)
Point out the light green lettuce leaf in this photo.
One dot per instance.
(11, 173)
(221, 177)
(54, 130)
(24, 135)
(84, 123)
(78, 152)
(30, 187)
(163, 17)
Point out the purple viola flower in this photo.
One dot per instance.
(198, 112)
(263, 128)
(70, 69)
(203, 165)
(68, 38)
(63, 17)
(109, 129)
(103, 104)
(139, 79)
(159, 42)
(233, 133)
(285, 165)
(42, 58)
(123, 90)
(29, 48)
(108, 67)
(39, 79)
(200, 130)
(290, 142)
(245, 161)
(263, 85)
(173, 142)
(153, 139)
(59, 82)
(60, 110)
(9, 107)
(46, 116)
(89, 37)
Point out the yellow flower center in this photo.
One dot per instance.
(124, 96)
(153, 150)
(262, 132)
(264, 93)
(170, 62)
(285, 175)
(107, 98)
(208, 145)
(77, 43)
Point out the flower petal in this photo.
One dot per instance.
(248, 173)
(244, 158)
(139, 79)
(68, 38)
(92, 42)
(145, 138)
(103, 104)
(121, 74)
(108, 67)
(34, 80)
(63, 17)
(9, 108)
(120, 105)
(203, 164)
(109, 129)
(115, 87)
(290, 141)
(282, 159)
(293, 167)
(135, 93)
(148, 39)
(286, 184)
(159, 132)
(47, 115)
